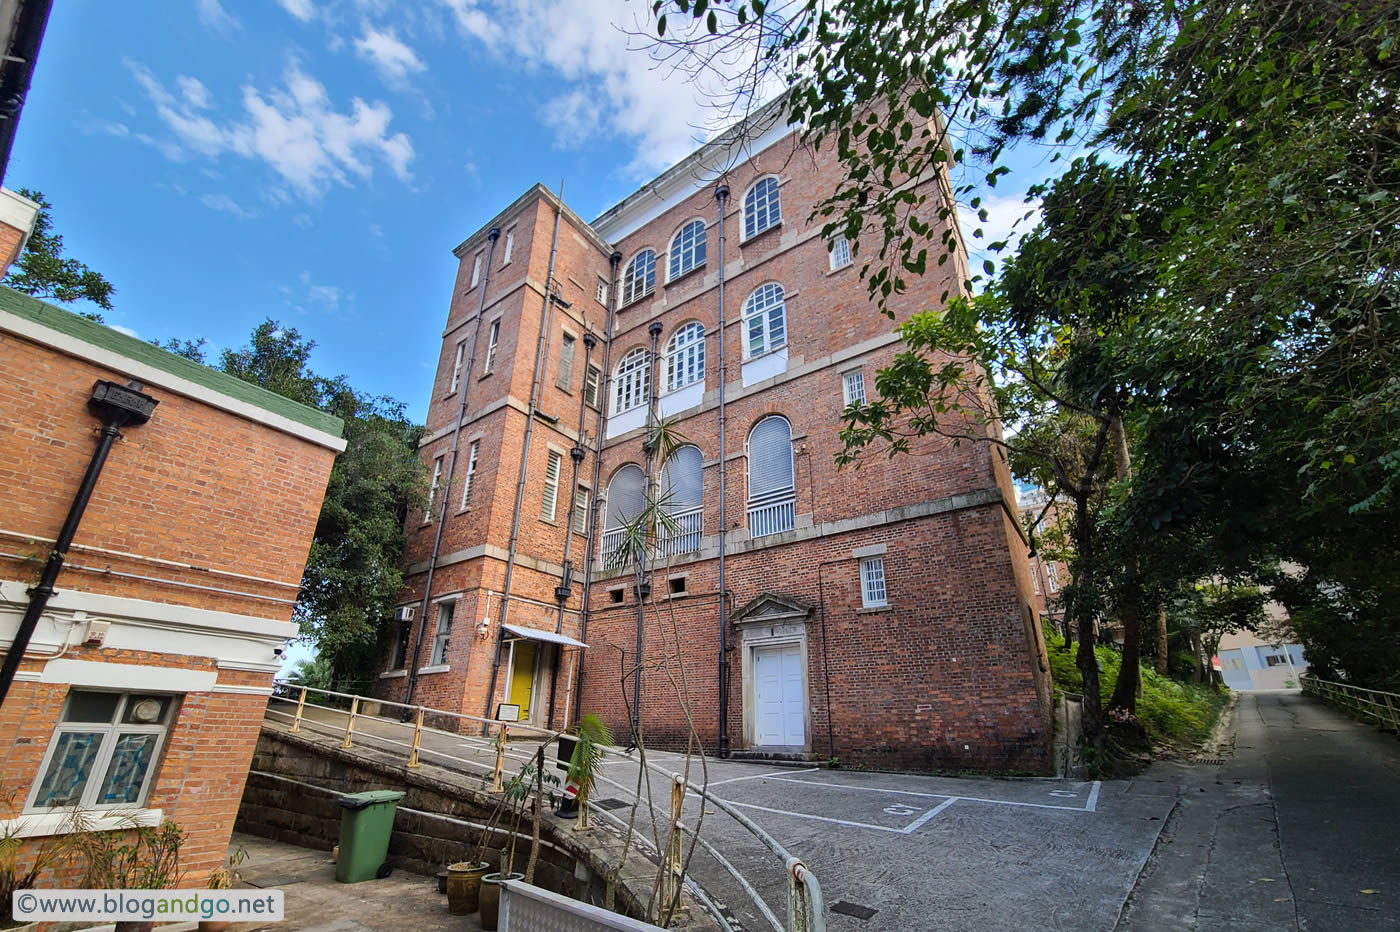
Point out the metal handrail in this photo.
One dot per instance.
(806, 908)
(1377, 704)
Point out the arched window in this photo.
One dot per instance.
(630, 384)
(639, 278)
(685, 356)
(626, 499)
(772, 503)
(682, 497)
(765, 320)
(688, 248)
(761, 207)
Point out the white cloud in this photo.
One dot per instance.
(392, 58)
(301, 9)
(324, 297)
(302, 220)
(295, 130)
(1009, 218)
(126, 330)
(212, 14)
(611, 85)
(228, 205)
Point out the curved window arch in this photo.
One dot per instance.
(685, 356)
(626, 496)
(772, 500)
(682, 487)
(765, 320)
(762, 208)
(639, 278)
(632, 380)
(687, 249)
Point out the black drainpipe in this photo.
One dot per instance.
(117, 407)
(465, 385)
(541, 346)
(722, 196)
(604, 386)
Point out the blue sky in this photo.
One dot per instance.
(315, 161)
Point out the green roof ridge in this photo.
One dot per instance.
(138, 350)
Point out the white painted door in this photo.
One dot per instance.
(778, 695)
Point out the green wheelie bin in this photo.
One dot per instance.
(365, 826)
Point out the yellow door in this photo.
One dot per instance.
(522, 679)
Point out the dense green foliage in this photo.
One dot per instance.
(43, 271)
(1173, 712)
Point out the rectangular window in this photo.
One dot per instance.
(602, 292)
(1035, 577)
(853, 387)
(433, 488)
(840, 253)
(590, 386)
(476, 271)
(442, 633)
(400, 657)
(872, 582)
(471, 472)
(581, 511)
(1052, 576)
(510, 248)
(565, 376)
(103, 752)
(551, 485)
(493, 337)
(457, 365)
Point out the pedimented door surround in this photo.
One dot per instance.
(773, 621)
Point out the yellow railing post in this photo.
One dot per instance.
(350, 723)
(498, 776)
(301, 704)
(417, 739)
(673, 853)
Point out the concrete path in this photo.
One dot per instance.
(1296, 831)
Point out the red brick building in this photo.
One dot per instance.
(140, 694)
(1049, 576)
(883, 615)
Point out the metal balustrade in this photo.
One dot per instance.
(366, 725)
(1376, 704)
(772, 514)
(686, 536)
(612, 542)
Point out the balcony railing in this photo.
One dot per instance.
(772, 513)
(612, 542)
(686, 536)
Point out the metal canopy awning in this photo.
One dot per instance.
(549, 637)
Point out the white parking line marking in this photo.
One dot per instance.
(1093, 803)
(762, 776)
(919, 823)
(1093, 795)
(817, 818)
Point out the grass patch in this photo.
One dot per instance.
(1174, 713)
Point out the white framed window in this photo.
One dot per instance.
(103, 752)
(399, 660)
(433, 489)
(565, 370)
(765, 320)
(872, 583)
(457, 365)
(625, 501)
(509, 249)
(687, 249)
(442, 633)
(853, 387)
(590, 386)
(761, 207)
(772, 499)
(682, 487)
(476, 270)
(581, 510)
(1052, 576)
(639, 278)
(472, 450)
(685, 356)
(550, 501)
(1035, 577)
(840, 253)
(493, 337)
(602, 293)
(631, 383)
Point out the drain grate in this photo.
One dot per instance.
(853, 909)
(610, 804)
(1209, 760)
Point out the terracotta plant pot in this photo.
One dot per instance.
(491, 898)
(464, 887)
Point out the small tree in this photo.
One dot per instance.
(43, 270)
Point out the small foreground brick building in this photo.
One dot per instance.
(882, 616)
(142, 691)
